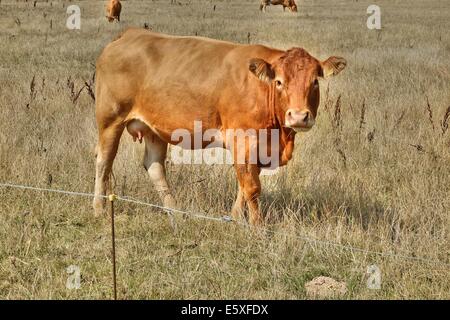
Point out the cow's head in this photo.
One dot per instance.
(292, 6)
(295, 78)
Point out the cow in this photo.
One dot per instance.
(290, 4)
(153, 84)
(113, 9)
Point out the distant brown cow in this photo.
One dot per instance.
(155, 85)
(290, 4)
(113, 9)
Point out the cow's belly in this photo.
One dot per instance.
(188, 135)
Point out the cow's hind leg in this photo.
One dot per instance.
(154, 158)
(108, 142)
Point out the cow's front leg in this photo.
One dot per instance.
(239, 206)
(154, 158)
(249, 183)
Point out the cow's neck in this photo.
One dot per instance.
(274, 121)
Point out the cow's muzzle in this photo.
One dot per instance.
(299, 120)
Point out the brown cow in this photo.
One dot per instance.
(290, 4)
(153, 84)
(113, 9)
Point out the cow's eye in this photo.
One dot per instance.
(279, 84)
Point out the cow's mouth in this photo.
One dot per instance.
(300, 129)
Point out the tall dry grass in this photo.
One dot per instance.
(373, 173)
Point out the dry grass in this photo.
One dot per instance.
(373, 173)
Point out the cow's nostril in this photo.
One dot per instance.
(306, 116)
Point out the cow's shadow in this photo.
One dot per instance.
(321, 201)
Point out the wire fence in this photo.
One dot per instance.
(228, 219)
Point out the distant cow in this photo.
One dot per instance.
(113, 9)
(290, 4)
(155, 85)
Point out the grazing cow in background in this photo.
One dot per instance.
(290, 4)
(155, 84)
(113, 9)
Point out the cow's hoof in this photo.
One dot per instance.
(238, 215)
(99, 205)
(169, 201)
(256, 222)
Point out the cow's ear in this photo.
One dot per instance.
(332, 66)
(261, 69)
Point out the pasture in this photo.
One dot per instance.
(374, 173)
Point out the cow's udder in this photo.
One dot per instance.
(138, 129)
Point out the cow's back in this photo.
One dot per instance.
(152, 58)
(179, 79)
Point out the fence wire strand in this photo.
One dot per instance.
(228, 219)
